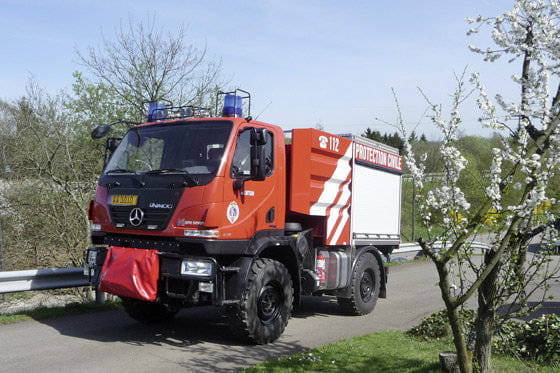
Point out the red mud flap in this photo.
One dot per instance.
(130, 273)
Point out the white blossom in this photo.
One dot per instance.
(529, 32)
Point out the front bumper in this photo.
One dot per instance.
(220, 287)
(195, 246)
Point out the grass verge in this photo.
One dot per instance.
(389, 351)
(51, 312)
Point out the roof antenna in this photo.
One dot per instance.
(266, 107)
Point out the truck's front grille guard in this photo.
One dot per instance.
(149, 243)
(219, 295)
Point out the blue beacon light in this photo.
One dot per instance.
(156, 111)
(232, 106)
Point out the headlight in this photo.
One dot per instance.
(196, 268)
(95, 227)
(206, 287)
(205, 233)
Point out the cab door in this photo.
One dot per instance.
(254, 205)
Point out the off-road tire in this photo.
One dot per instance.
(364, 287)
(266, 303)
(147, 312)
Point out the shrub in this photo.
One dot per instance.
(505, 339)
(436, 325)
(538, 339)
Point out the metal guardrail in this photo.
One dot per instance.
(58, 278)
(42, 279)
(413, 246)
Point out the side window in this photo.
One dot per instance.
(241, 165)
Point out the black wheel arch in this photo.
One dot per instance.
(287, 256)
(272, 244)
(288, 250)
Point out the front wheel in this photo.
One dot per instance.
(364, 285)
(266, 303)
(147, 312)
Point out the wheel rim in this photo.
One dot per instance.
(366, 286)
(270, 302)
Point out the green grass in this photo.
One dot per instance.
(389, 351)
(47, 313)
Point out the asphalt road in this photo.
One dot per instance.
(199, 339)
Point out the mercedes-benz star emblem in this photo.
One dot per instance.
(136, 216)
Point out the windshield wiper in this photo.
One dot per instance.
(124, 171)
(167, 171)
(160, 171)
(120, 171)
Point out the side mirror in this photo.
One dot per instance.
(259, 136)
(100, 131)
(258, 171)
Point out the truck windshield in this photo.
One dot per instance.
(193, 148)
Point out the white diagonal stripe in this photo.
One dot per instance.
(332, 186)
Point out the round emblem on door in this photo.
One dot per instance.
(232, 212)
(136, 216)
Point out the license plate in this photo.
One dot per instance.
(124, 200)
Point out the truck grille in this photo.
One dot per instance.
(154, 218)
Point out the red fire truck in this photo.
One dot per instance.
(198, 210)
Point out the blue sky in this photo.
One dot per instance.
(305, 62)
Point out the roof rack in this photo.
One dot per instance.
(177, 112)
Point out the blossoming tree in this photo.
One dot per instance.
(518, 205)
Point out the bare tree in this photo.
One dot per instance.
(54, 165)
(141, 63)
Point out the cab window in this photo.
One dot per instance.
(241, 165)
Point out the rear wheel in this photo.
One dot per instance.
(266, 303)
(147, 312)
(364, 285)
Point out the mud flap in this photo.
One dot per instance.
(130, 273)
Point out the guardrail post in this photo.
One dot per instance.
(2, 269)
(100, 297)
(413, 217)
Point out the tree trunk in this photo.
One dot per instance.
(486, 314)
(483, 345)
(520, 274)
(464, 357)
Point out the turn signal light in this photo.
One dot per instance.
(201, 233)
